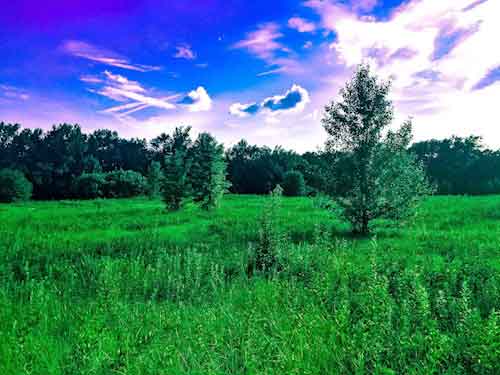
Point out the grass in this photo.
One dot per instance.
(122, 287)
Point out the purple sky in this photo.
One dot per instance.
(258, 70)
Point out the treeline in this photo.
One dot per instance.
(60, 162)
(460, 165)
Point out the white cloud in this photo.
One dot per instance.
(293, 101)
(301, 25)
(197, 100)
(244, 110)
(435, 51)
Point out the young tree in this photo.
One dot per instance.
(208, 174)
(385, 180)
(176, 186)
(154, 180)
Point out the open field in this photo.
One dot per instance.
(122, 287)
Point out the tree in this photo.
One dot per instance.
(154, 180)
(385, 180)
(14, 186)
(176, 186)
(208, 173)
(293, 184)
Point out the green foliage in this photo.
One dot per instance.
(155, 176)
(208, 171)
(124, 184)
(14, 186)
(385, 181)
(459, 165)
(120, 287)
(176, 186)
(257, 170)
(90, 186)
(270, 236)
(294, 184)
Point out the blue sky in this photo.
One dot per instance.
(258, 70)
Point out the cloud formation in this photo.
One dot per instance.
(294, 100)
(244, 110)
(197, 100)
(490, 78)
(263, 42)
(96, 54)
(301, 25)
(184, 51)
(13, 93)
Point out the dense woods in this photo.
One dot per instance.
(56, 161)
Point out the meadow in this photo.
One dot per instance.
(124, 287)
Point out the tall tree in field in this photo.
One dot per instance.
(208, 173)
(385, 180)
(176, 186)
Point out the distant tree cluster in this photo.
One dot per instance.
(192, 170)
(460, 165)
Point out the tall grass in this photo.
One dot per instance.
(120, 286)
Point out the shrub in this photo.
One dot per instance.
(270, 238)
(124, 184)
(14, 186)
(90, 186)
(155, 177)
(293, 184)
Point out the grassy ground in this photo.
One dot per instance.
(122, 287)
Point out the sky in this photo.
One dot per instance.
(260, 70)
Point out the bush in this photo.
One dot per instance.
(14, 186)
(154, 180)
(124, 184)
(90, 186)
(293, 184)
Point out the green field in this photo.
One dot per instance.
(123, 287)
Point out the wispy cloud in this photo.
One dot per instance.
(13, 93)
(301, 25)
(99, 55)
(134, 97)
(121, 89)
(450, 37)
(184, 51)
(90, 79)
(271, 71)
(263, 42)
(490, 78)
